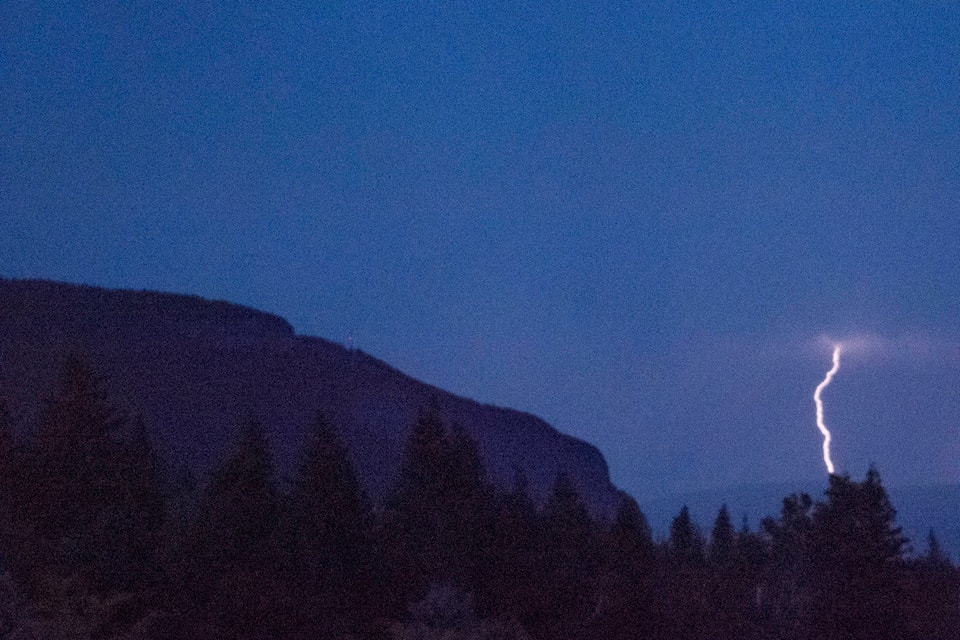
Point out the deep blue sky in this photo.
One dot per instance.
(633, 221)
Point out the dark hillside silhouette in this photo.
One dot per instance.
(190, 367)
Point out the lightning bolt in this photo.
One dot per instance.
(819, 403)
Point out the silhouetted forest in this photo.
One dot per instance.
(101, 538)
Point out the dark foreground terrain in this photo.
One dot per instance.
(109, 531)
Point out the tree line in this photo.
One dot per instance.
(98, 539)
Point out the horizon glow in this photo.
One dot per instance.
(819, 402)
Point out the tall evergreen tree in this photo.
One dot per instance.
(140, 508)
(90, 505)
(332, 539)
(569, 562)
(509, 582)
(70, 464)
(470, 499)
(228, 583)
(436, 516)
(731, 584)
(685, 543)
(629, 578)
(567, 523)
(242, 497)
(861, 520)
(630, 532)
(685, 598)
(790, 534)
(722, 540)
(858, 552)
(786, 590)
(327, 496)
(95, 490)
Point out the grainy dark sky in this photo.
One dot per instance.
(635, 221)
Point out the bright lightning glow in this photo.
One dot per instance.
(819, 403)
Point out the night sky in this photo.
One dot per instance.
(637, 222)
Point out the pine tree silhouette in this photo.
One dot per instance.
(436, 521)
(231, 583)
(89, 508)
(331, 538)
(858, 548)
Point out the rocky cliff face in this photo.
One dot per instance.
(196, 369)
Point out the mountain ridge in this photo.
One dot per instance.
(194, 369)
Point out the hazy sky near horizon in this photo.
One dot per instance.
(637, 221)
